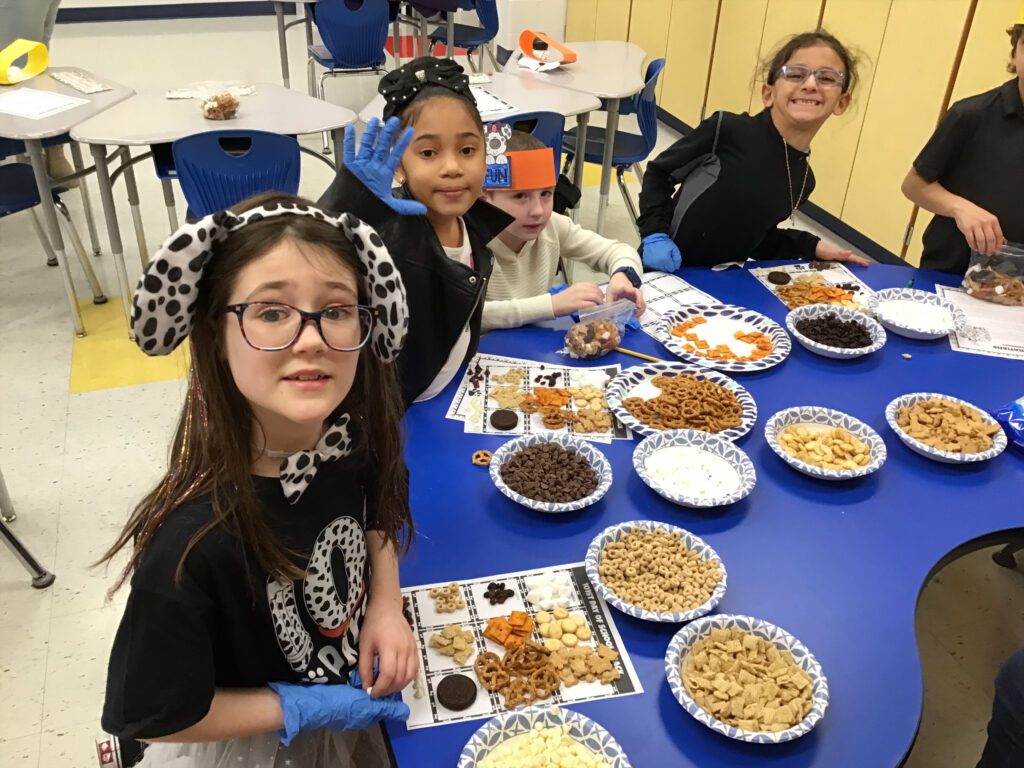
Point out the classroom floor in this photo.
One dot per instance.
(85, 424)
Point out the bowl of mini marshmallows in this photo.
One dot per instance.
(547, 473)
(840, 333)
(693, 468)
(916, 314)
(945, 428)
(555, 735)
(823, 443)
(687, 581)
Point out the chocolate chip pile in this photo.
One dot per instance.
(834, 332)
(548, 472)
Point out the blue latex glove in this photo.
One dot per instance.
(338, 707)
(660, 252)
(375, 162)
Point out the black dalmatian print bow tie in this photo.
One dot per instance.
(165, 299)
(299, 469)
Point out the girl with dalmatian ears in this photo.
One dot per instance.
(265, 621)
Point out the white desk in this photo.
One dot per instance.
(32, 133)
(523, 94)
(609, 70)
(150, 118)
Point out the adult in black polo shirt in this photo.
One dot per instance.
(970, 174)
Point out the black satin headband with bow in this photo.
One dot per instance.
(404, 84)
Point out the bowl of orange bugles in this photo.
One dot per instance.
(510, 631)
(724, 337)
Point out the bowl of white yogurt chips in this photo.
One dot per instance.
(693, 468)
(916, 314)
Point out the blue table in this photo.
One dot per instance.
(840, 565)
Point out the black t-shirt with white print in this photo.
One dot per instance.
(227, 625)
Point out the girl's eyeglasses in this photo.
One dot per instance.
(272, 326)
(826, 77)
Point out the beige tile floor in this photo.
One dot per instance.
(75, 464)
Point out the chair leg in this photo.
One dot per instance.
(83, 258)
(51, 258)
(83, 188)
(478, 67)
(490, 54)
(321, 92)
(639, 172)
(630, 207)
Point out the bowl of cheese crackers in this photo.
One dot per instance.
(687, 581)
(746, 679)
(945, 428)
(824, 443)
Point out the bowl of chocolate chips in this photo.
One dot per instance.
(551, 473)
(837, 332)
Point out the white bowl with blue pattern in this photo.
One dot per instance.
(892, 411)
(508, 725)
(754, 321)
(688, 636)
(874, 329)
(816, 416)
(876, 304)
(691, 438)
(594, 457)
(627, 381)
(694, 543)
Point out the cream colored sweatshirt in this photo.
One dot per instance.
(518, 291)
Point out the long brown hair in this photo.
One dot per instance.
(215, 442)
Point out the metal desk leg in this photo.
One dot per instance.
(611, 128)
(172, 210)
(41, 578)
(310, 85)
(35, 153)
(582, 121)
(133, 201)
(423, 33)
(396, 36)
(113, 231)
(337, 136)
(51, 260)
(451, 35)
(76, 157)
(282, 42)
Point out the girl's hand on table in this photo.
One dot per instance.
(387, 638)
(828, 252)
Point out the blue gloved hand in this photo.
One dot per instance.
(376, 161)
(338, 707)
(660, 252)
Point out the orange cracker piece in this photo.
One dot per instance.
(525, 630)
(513, 641)
(701, 344)
(518, 618)
(498, 630)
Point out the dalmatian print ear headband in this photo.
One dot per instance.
(164, 303)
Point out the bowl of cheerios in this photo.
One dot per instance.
(686, 581)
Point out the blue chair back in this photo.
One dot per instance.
(545, 126)
(487, 12)
(647, 108)
(353, 31)
(221, 168)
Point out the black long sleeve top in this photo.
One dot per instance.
(737, 217)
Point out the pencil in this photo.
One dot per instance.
(641, 355)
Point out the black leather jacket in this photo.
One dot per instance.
(443, 294)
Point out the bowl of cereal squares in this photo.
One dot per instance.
(655, 571)
(824, 443)
(916, 314)
(558, 735)
(551, 473)
(839, 333)
(746, 678)
(694, 469)
(945, 428)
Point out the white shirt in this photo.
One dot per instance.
(464, 255)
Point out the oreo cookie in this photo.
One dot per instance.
(778, 278)
(504, 419)
(456, 692)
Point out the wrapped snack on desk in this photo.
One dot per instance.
(219, 106)
(998, 278)
(1011, 419)
(599, 330)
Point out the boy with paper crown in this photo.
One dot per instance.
(969, 173)
(529, 253)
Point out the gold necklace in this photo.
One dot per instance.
(789, 178)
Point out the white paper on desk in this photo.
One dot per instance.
(35, 104)
(665, 293)
(995, 330)
(207, 88)
(536, 65)
(488, 104)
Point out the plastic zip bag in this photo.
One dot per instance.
(998, 278)
(599, 330)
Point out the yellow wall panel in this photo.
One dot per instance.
(859, 24)
(983, 68)
(688, 54)
(783, 19)
(736, 52)
(648, 28)
(580, 18)
(901, 113)
(612, 19)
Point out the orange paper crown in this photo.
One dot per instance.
(530, 169)
(526, 40)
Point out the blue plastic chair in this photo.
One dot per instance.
(473, 39)
(221, 168)
(354, 34)
(630, 148)
(18, 192)
(548, 127)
